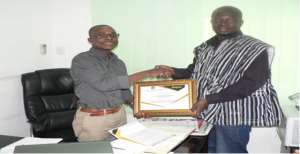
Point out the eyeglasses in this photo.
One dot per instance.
(108, 35)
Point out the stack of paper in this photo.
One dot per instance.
(201, 127)
(124, 146)
(28, 141)
(137, 133)
(135, 137)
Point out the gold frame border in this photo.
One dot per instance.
(172, 112)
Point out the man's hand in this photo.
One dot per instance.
(164, 66)
(129, 102)
(169, 70)
(160, 72)
(200, 106)
(153, 73)
(142, 115)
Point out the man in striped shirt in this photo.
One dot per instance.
(234, 83)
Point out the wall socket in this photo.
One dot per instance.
(43, 49)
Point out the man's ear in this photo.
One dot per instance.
(90, 40)
(242, 21)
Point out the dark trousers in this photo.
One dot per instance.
(228, 139)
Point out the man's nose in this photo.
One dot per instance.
(109, 36)
(223, 22)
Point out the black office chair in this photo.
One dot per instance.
(50, 103)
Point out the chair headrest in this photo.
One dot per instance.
(55, 81)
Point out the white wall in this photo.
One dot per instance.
(70, 21)
(22, 31)
(12, 116)
(264, 140)
(61, 25)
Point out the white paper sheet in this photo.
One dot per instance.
(164, 146)
(162, 98)
(122, 146)
(138, 133)
(201, 127)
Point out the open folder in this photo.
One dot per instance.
(137, 133)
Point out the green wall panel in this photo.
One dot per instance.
(166, 31)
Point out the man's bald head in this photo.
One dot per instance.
(226, 20)
(230, 10)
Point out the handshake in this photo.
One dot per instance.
(162, 71)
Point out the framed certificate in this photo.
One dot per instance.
(165, 98)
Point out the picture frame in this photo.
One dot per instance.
(164, 98)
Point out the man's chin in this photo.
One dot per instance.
(223, 33)
(104, 48)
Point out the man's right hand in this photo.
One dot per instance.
(165, 67)
(160, 72)
(200, 106)
(142, 115)
(166, 70)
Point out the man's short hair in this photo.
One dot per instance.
(233, 11)
(92, 31)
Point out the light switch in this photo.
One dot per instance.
(60, 50)
(43, 49)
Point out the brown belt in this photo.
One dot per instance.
(100, 112)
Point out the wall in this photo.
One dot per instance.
(165, 32)
(12, 116)
(25, 25)
(70, 21)
(23, 31)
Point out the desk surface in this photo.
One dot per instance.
(76, 147)
(190, 145)
(181, 143)
(6, 140)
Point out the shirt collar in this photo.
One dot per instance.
(102, 54)
(217, 39)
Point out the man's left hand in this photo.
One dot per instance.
(200, 106)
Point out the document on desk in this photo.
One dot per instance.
(202, 128)
(123, 146)
(28, 141)
(137, 133)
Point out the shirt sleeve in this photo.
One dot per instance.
(86, 72)
(254, 77)
(184, 73)
(127, 96)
